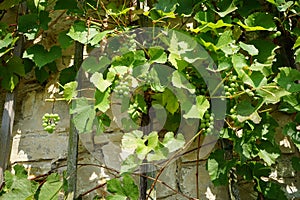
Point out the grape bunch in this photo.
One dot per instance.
(233, 116)
(146, 79)
(232, 86)
(122, 89)
(207, 122)
(50, 121)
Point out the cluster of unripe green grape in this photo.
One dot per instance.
(50, 121)
(146, 79)
(233, 115)
(122, 89)
(207, 122)
(232, 86)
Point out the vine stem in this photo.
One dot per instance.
(169, 161)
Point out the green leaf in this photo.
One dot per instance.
(225, 39)
(173, 143)
(51, 187)
(100, 83)
(130, 188)
(81, 33)
(116, 197)
(66, 5)
(70, 90)
(41, 74)
(166, 5)
(290, 103)
(9, 82)
(260, 170)
(64, 40)
(40, 56)
(15, 65)
(261, 20)
(296, 163)
(99, 37)
(218, 167)
(196, 110)
(180, 81)
(240, 64)
(271, 190)
(210, 26)
(224, 7)
(6, 41)
(258, 79)
(272, 93)
(92, 64)
(285, 6)
(123, 189)
(114, 186)
(168, 100)
(129, 139)
(290, 130)
(19, 187)
(287, 78)
(157, 55)
(28, 24)
(297, 43)
(268, 152)
(84, 115)
(266, 50)
(159, 153)
(131, 163)
(102, 102)
(245, 108)
(67, 75)
(249, 48)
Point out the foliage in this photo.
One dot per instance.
(254, 45)
(17, 186)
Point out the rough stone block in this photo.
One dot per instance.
(38, 147)
(206, 188)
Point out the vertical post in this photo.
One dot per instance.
(6, 133)
(73, 134)
(8, 115)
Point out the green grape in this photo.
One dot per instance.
(207, 115)
(50, 121)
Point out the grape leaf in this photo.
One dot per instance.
(102, 100)
(7, 40)
(83, 115)
(81, 33)
(198, 109)
(70, 90)
(64, 40)
(218, 167)
(100, 83)
(51, 187)
(249, 48)
(41, 56)
(268, 152)
(15, 65)
(287, 78)
(173, 143)
(180, 81)
(291, 130)
(261, 19)
(157, 55)
(92, 64)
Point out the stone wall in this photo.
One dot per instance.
(41, 152)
